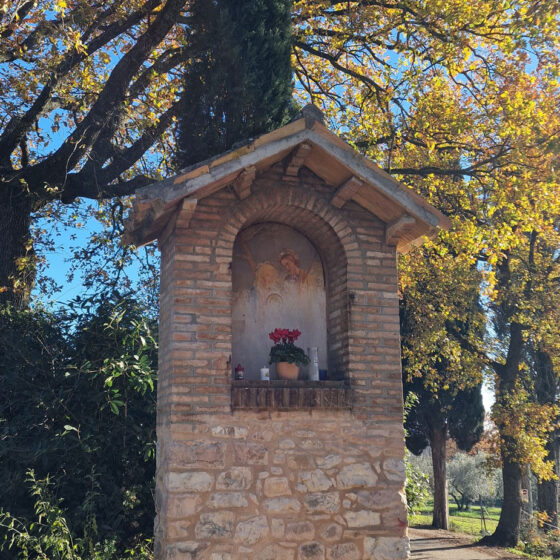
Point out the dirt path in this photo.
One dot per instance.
(429, 544)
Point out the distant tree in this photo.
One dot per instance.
(238, 82)
(446, 380)
(452, 414)
(470, 479)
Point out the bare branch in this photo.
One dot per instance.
(333, 60)
(110, 100)
(19, 125)
(97, 181)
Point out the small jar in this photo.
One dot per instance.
(239, 372)
(265, 374)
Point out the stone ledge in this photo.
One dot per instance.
(286, 395)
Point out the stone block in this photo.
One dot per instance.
(322, 502)
(343, 551)
(248, 453)
(356, 475)
(276, 486)
(187, 550)
(183, 505)
(311, 551)
(331, 532)
(179, 530)
(189, 481)
(236, 478)
(282, 506)
(311, 444)
(223, 500)
(380, 499)
(328, 462)
(315, 481)
(234, 432)
(305, 434)
(215, 525)
(277, 528)
(362, 518)
(276, 552)
(394, 469)
(300, 531)
(252, 531)
(386, 548)
(299, 461)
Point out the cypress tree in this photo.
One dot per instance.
(455, 414)
(238, 82)
(441, 414)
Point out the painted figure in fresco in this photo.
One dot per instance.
(290, 262)
(267, 284)
(266, 276)
(278, 282)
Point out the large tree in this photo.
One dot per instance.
(238, 82)
(457, 415)
(89, 91)
(547, 385)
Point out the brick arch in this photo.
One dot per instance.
(333, 239)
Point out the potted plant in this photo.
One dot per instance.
(285, 354)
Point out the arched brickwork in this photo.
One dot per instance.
(316, 219)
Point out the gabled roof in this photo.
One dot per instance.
(302, 142)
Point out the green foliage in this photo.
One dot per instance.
(48, 536)
(461, 413)
(536, 543)
(238, 82)
(78, 406)
(470, 479)
(461, 521)
(444, 379)
(288, 352)
(417, 486)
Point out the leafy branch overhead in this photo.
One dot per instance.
(91, 88)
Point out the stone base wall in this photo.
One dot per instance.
(294, 485)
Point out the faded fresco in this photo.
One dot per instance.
(278, 282)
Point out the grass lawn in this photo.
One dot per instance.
(469, 522)
(461, 521)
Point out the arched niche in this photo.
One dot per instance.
(278, 281)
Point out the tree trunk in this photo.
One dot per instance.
(546, 386)
(438, 441)
(547, 490)
(17, 258)
(507, 531)
(526, 507)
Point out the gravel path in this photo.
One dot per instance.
(430, 544)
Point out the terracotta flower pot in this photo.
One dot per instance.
(286, 370)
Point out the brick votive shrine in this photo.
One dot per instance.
(293, 229)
